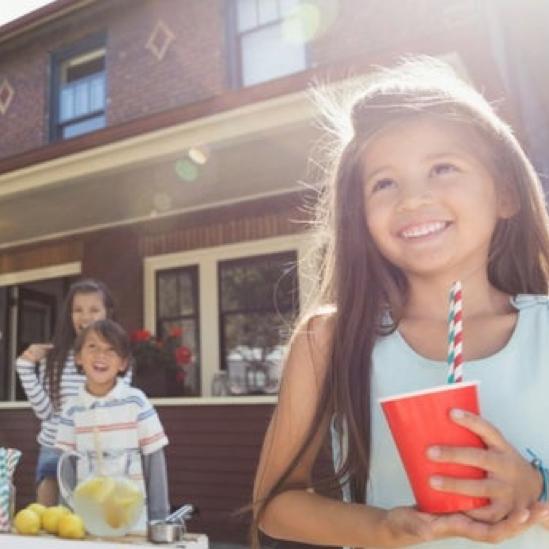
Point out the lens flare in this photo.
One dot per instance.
(308, 22)
(199, 155)
(186, 170)
(162, 202)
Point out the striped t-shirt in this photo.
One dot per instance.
(35, 386)
(122, 420)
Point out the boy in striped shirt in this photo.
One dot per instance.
(108, 413)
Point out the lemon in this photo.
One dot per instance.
(51, 517)
(114, 516)
(97, 489)
(38, 508)
(27, 522)
(71, 527)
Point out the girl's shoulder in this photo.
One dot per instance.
(317, 326)
(529, 301)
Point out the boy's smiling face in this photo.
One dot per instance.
(101, 364)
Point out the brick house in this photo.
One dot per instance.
(159, 145)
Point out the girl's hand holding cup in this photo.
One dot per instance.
(512, 484)
(37, 351)
(405, 526)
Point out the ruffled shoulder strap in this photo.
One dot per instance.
(525, 301)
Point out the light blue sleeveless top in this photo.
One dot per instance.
(514, 396)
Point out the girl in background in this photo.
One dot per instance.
(429, 186)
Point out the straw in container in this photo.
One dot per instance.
(9, 457)
(455, 334)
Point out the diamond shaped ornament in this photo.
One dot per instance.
(7, 94)
(160, 39)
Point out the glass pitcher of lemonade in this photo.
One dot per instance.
(109, 501)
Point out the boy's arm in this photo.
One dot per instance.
(156, 481)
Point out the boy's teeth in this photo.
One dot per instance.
(423, 230)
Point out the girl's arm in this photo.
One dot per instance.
(299, 514)
(34, 389)
(156, 481)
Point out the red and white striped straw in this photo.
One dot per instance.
(455, 334)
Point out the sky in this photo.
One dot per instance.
(12, 9)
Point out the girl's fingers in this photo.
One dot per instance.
(477, 457)
(482, 488)
(485, 430)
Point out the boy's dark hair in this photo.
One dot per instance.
(111, 332)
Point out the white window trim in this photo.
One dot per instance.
(32, 275)
(42, 273)
(207, 259)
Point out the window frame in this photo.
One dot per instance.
(58, 58)
(194, 275)
(207, 260)
(248, 260)
(235, 74)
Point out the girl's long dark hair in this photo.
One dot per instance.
(363, 288)
(64, 336)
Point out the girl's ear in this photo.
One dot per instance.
(508, 202)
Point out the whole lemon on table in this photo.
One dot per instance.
(71, 526)
(27, 522)
(51, 517)
(38, 508)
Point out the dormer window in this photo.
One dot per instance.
(79, 89)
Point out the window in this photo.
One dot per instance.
(238, 301)
(258, 300)
(262, 50)
(177, 307)
(78, 89)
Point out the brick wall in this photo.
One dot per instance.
(194, 66)
(138, 83)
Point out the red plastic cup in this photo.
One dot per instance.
(422, 419)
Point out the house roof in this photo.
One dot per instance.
(39, 17)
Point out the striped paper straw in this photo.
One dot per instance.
(4, 492)
(13, 457)
(455, 334)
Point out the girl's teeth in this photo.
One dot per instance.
(423, 230)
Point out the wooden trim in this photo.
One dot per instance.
(40, 16)
(183, 401)
(45, 256)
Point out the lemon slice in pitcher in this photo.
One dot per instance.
(123, 504)
(97, 489)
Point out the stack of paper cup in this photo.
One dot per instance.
(9, 458)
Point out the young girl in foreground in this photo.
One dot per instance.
(57, 378)
(430, 187)
(118, 417)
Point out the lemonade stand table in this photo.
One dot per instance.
(191, 541)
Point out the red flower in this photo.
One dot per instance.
(176, 331)
(140, 335)
(183, 355)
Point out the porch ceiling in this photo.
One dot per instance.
(265, 163)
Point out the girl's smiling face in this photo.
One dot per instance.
(86, 309)
(101, 364)
(431, 203)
